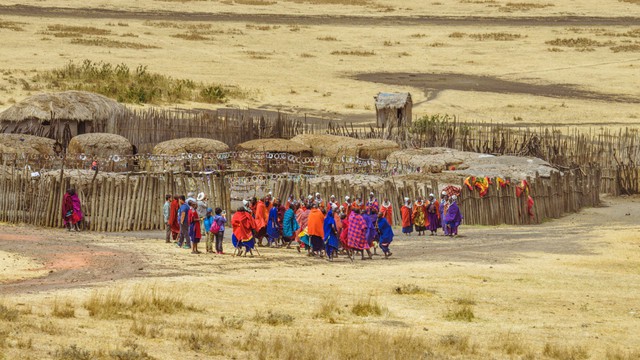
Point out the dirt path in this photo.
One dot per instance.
(433, 84)
(70, 261)
(92, 13)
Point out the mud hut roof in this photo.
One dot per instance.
(27, 144)
(329, 145)
(376, 148)
(100, 144)
(392, 100)
(190, 145)
(274, 145)
(68, 105)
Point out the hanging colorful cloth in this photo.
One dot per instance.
(522, 187)
(469, 181)
(482, 184)
(530, 206)
(501, 183)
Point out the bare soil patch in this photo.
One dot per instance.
(433, 84)
(93, 13)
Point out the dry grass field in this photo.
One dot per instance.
(562, 290)
(528, 62)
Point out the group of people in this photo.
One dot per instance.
(188, 219)
(322, 228)
(431, 215)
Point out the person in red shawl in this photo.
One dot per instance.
(70, 215)
(261, 215)
(173, 217)
(243, 226)
(407, 218)
(386, 210)
(357, 236)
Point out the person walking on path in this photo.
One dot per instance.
(386, 234)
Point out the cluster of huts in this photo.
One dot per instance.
(79, 123)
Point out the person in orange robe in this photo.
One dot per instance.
(261, 216)
(315, 229)
(243, 226)
(407, 218)
(387, 211)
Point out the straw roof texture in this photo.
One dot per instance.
(332, 146)
(67, 105)
(274, 145)
(101, 144)
(190, 145)
(27, 144)
(376, 148)
(392, 100)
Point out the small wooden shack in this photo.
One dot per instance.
(393, 110)
(60, 116)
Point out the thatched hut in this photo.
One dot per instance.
(276, 155)
(334, 146)
(393, 110)
(100, 144)
(275, 146)
(185, 147)
(62, 115)
(26, 144)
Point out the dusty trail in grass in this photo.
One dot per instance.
(88, 13)
(70, 262)
(433, 84)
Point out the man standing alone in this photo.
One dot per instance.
(165, 212)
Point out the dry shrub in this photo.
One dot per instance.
(104, 42)
(78, 31)
(307, 55)
(497, 36)
(327, 38)
(410, 289)
(580, 42)
(457, 35)
(367, 307)
(457, 344)
(129, 35)
(11, 25)
(510, 7)
(202, 338)
(49, 328)
(437, 44)
(333, 2)
(340, 343)
(620, 354)
(626, 48)
(146, 328)
(274, 318)
(637, 2)
(477, 1)
(255, 2)
(565, 352)
(262, 27)
(8, 314)
(328, 309)
(511, 344)
(464, 301)
(110, 304)
(72, 352)
(353, 52)
(191, 36)
(418, 35)
(460, 313)
(63, 310)
(233, 323)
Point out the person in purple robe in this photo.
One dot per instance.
(453, 217)
(71, 210)
(370, 218)
(433, 213)
(444, 205)
(273, 224)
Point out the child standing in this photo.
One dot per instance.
(194, 228)
(220, 219)
(208, 220)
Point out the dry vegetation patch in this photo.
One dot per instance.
(327, 38)
(626, 48)
(60, 30)
(579, 44)
(565, 352)
(511, 7)
(368, 307)
(274, 318)
(11, 25)
(353, 52)
(104, 42)
(132, 86)
(497, 36)
(112, 304)
(637, 2)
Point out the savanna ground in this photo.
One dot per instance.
(523, 62)
(566, 289)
